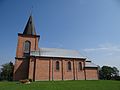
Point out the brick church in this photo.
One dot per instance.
(41, 64)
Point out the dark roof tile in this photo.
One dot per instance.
(29, 29)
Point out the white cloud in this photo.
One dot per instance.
(104, 47)
(105, 54)
(94, 49)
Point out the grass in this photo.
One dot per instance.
(62, 85)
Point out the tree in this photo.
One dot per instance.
(107, 72)
(7, 71)
(0, 74)
(116, 71)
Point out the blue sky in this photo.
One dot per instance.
(90, 26)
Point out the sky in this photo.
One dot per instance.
(91, 27)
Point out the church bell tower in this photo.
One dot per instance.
(27, 41)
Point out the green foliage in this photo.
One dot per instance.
(115, 71)
(63, 85)
(108, 73)
(7, 71)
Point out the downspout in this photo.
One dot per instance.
(49, 68)
(84, 70)
(73, 69)
(62, 69)
(76, 71)
(52, 71)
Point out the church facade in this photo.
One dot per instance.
(43, 64)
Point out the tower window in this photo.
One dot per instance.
(27, 46)
(57, 65)
(69, 66)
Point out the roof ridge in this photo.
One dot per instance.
(60, 49)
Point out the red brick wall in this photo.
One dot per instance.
(46, 69)
(21, 40)
(80, 74)
(31, 68)
(68, 75)
(91, 74)
(42, 69)
(57, 74)
(21, 68)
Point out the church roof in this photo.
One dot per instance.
(55, 52)
(89, 64)
(61, 53)
(29, 29)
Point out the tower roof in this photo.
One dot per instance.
(29, 29)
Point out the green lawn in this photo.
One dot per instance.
(62, 85)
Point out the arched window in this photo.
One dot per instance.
(27, 46)
(69, 66)
(57, 65)
(80, 66)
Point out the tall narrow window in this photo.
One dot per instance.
(27, 46)
(80, 66)
(69, 66)
(57, 65)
